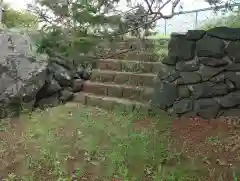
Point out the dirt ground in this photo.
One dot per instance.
(212, 144)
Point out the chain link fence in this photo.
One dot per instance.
(194, 19)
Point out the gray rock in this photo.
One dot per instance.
(218, 79)
(181, 48)
(207, 108)
(231, 112)
(183, 106)
(66, 95)
(230, 100)
(62, 62)
(53, 87)
(21, 78)
(209, 72)
(164, 95)
(187, 66)
(178, 34)
(86, 74)
(183, 92)
(210, 47)
(230, 85)
(195, 34)
(51, 101)
(77, 85)
(61, 74)
(164, 71)
(235, 67)
(233, 50)
(172, 76)
(208, 90)
(190, 77)
(79, 71)
(213, 62)
(170, 60)
(234, 77)
(225, 33)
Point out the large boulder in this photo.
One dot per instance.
(22, 75)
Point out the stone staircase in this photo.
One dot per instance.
(124, 81)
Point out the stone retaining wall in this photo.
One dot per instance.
(201, 75)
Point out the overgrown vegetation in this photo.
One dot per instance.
(18, 19)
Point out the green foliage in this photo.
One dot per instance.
(232, 20)
(18, 19)
(76, 27)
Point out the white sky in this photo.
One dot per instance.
(187, 4)
(177, 23)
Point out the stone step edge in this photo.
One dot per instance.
(142, 94)
(116, 60)
(127, 73)
(125, 50)
(107, 102)
(116, 85)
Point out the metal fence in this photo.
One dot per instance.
(185, 20)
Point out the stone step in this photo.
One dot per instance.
(128, 65)
(110, 103)
(127, 78)
(126, 54)
(141, 94)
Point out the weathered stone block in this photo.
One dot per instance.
(183, 106)
(178, 34)
(210, 47)
(94, 88)
(234, 77)
(131, 93)
(230, 100)
(170, 60)
(207, 108)
(209, 72)
(190, 77)
(208, 89)
(109, 65)
(172, 76)
(233, 50)
(146, 94)
(225, 33)
(235, 67)
(122, 78)
(183, 92)
(164, 71)
(187, 66)
(115, 91)
(231, 112)
(195, 34)
(106, 77)
(213, 62)
(218, 79)
(164, 95)
(181, 48)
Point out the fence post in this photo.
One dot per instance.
(165, 27)
(196, 20)
(1, 13)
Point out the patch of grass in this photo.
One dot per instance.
(73, 141)
(213, 140)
